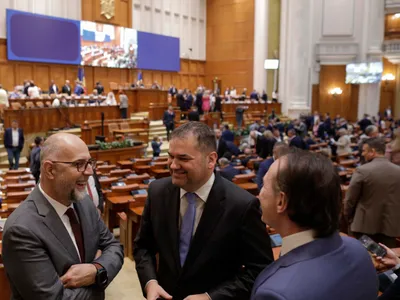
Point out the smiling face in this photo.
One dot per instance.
(190, 167)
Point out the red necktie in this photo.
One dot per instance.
(77, 230)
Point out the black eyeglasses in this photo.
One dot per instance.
(81, 165)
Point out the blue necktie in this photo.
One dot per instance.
(187, 227)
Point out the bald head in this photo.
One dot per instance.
(63, 146)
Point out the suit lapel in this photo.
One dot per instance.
(209, 219)
(54, 223)
(173, 205)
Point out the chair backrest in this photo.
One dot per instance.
(124, 125)
(111, 128)
(29, 104)
(40, 104)
(15, 105)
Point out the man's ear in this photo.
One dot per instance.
(282, 203)
(212, 160)
(47, 170)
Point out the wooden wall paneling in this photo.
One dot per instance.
(157, 76)
(89, 79)
(193, 83)
(353, 110)
(88, 10)
(315, 98)
(24, 71)
(176, 80)
(388, 88)
(7, 76)
(71, 74)
(184, 81)
(167, 79)
(41, 75)
(57, 73)
(124, 75)
(392, 27)
(3, 50)
(147, 77)
(184, 66)
(193, 66)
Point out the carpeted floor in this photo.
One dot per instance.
(126, 285)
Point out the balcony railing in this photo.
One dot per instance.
(391, 46)
(392, 6)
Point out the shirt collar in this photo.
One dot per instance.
(203, 191)
(296, 240)
(60, 209)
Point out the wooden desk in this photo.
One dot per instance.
(129, 131)
(251, 187)
(15, 197)
(118, 154)
(19, 187)
(230, 107)
(113, 205)
(134, 218)
(125, 164)
(42, 119)
(18, 172)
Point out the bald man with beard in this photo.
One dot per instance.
(55, 245)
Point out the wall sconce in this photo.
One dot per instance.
(396, 16)
(388, 77)
(336, 91)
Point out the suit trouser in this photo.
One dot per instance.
(169, 127)
(13, 154)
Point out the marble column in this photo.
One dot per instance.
(260, 44)
(296, 53)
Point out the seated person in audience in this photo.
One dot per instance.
(296, 141)
(156, 86)
(56, 103)
(230, 244)
(390, 261)
(93, 98)
(35, 158)
(140, 83)
(232, 148)
(110, 100)
(309, 140)
(194, 114)
(56, 237)
(315, 261)
(343, 143)
(227, 134)
(255, 125)
(16, 94)
(156, 145)
(280, 149)
(226, 169)
(249, 155)
(264, 96)
(33, 90)
(64, 102)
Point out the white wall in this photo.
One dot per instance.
(70, 9)
(326, 32)
(185, 19)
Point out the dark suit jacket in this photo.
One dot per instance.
(52, 91)
(264, 146)
(228, 136)
(168, 118)
(298, 142)
(393, 291)
(99, 192)
(37, 245)
(8, 138)
(228, 250)
(263, 169)
(65, 90)
(329, 268)
(229, 172)
(180, 101)
(194, 116)
(100, 89)
(364, 123)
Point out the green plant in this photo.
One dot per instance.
(115, 144)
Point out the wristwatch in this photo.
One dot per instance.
(101, 276)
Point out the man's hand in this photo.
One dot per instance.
(390, 260)
(155, 291)
(198, 297)
(79, 276)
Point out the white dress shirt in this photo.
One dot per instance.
(15, 137)
(61, 209)
(296, 240)
(201, 199)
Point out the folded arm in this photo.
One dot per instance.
(31, 270)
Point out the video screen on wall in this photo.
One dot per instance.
(364, 73)
(104, 45)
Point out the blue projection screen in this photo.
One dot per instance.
(38, 38)
(158, 52)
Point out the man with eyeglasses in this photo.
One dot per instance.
(55, 245)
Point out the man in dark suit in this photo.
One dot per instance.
(66, 89)
(206, 231)
(199, 101)
(180, 101)
(372, 201)
(99, 88)
(328, 124)
(169, 120)
(56, 238)
(364, 123)
(295, 140)
(194, 115)
(14, 142)
(53, 88)
(280, 149)
(226, 170)
(227, 134)
(315, 261)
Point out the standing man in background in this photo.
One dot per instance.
(14, 142)
(53, 88)
(99, 88)
(66, 89)
(169, 119)
(35, 158)
(206, 231)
